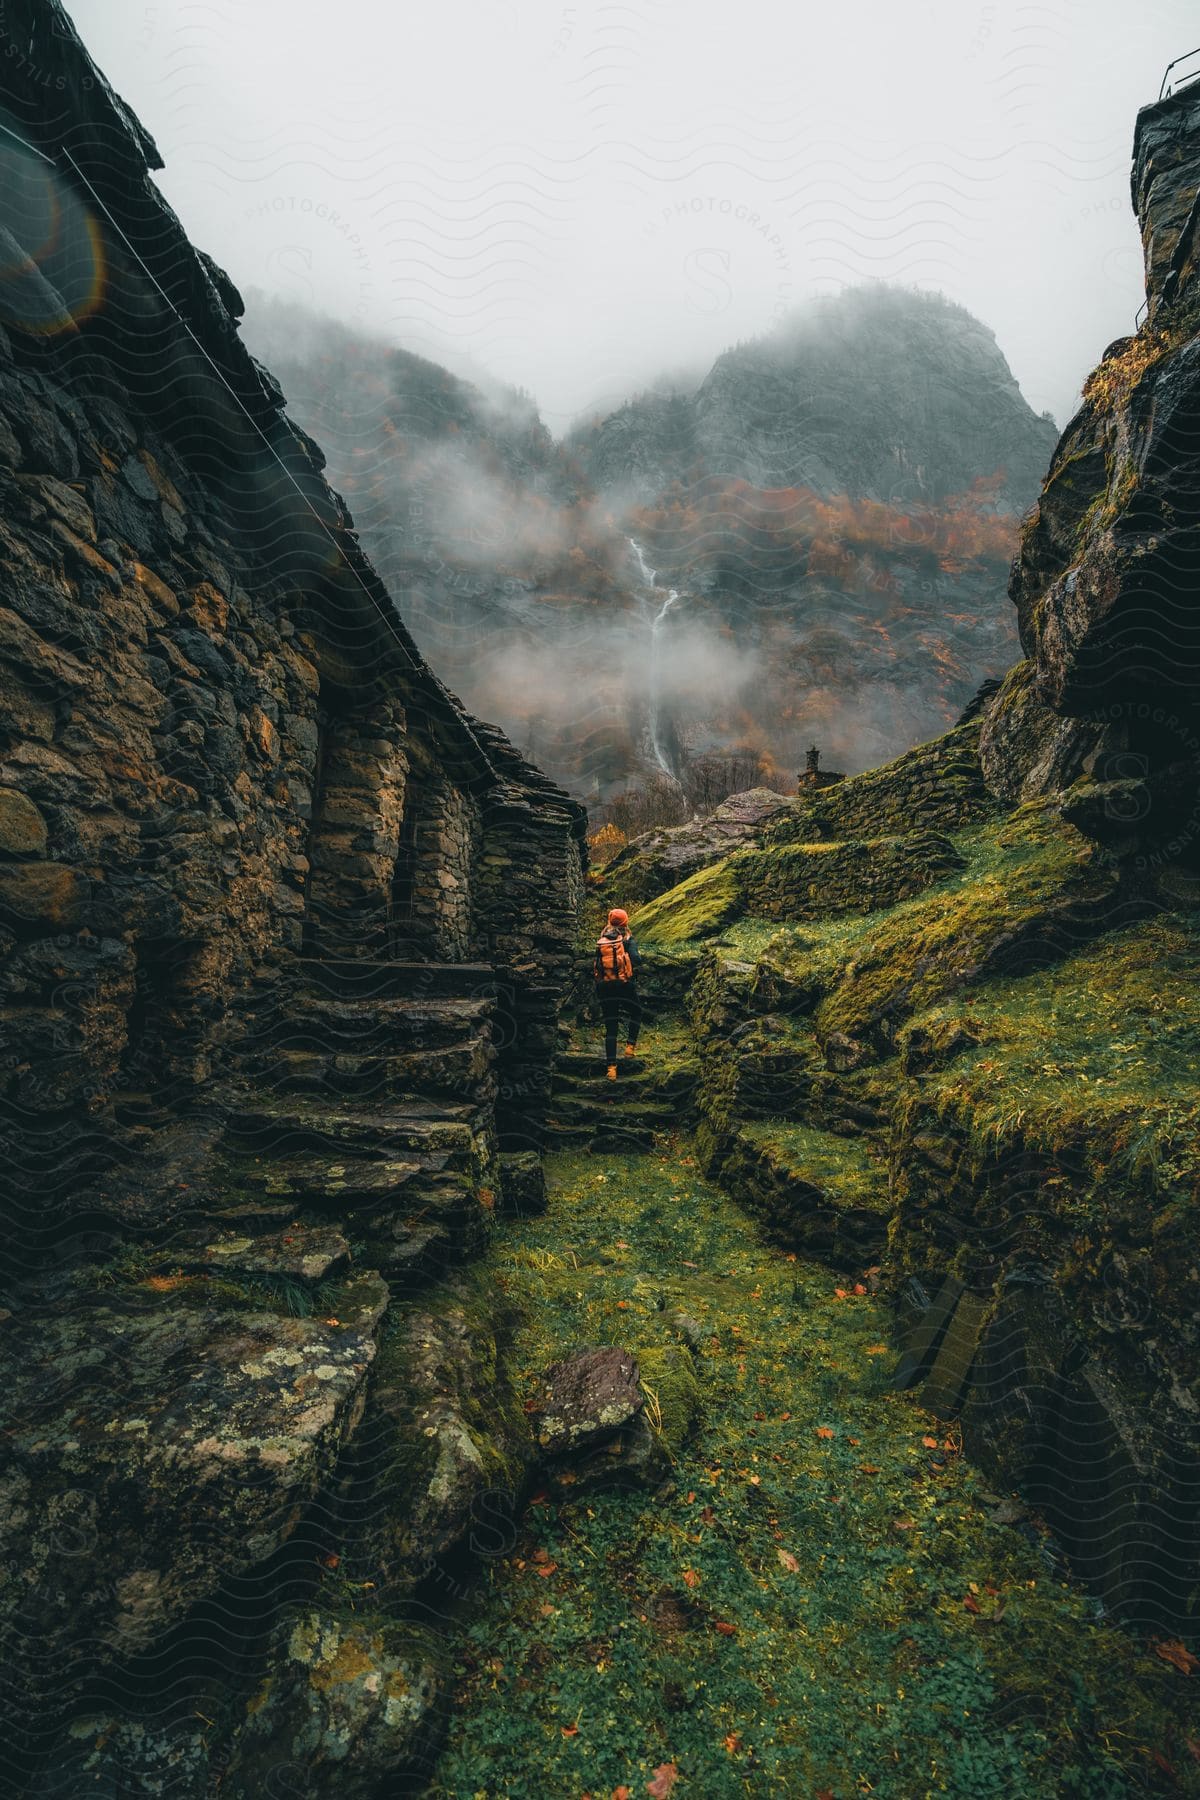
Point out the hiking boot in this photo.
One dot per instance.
(612, 1071)
(631, 1049)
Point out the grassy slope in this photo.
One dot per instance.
(819, 1604)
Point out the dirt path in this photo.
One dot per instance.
(819, 1602)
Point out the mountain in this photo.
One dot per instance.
(880, 392)
(834, 509)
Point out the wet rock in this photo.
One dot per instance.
(522, 1184)
(842, 1053)
(44, 894)
(22, 827)
(302, 1253)
(347, 1704)
(587, 1398)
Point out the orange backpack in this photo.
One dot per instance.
(612, 960)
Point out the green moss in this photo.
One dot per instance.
(698, 908)
(791, 1615)
(1019, 874)
(843, 1167)
(673, 1397)
(1101, 1052)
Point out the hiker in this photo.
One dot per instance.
(615, 969)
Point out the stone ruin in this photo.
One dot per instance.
(813, 776)
(283, 934)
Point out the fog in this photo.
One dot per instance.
(576, 199)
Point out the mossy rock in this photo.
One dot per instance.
(673, 1395)
(698, 908)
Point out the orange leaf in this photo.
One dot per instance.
(1178, 1655)
(840, 1294)
(733, 1743)
(824, 1431)
(971, 1603)
(622, 1793)
(662, 1781)
(869, 1468)
(930, 1443)
(570, 1731)
(725, 1629)
(331, 1561)
(877, 1350)
(546, 1568)
(859, 1288)
(541, 1556)
(789, 1562)
(691, 1577)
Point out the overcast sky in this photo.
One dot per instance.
(577, 196)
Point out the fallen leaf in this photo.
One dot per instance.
(541, 1556)
(570, 1730)
(971, 1604)
(869, 1468)
(930, 1443)
(662, 1781)
(725, 1628)
(877, 1350)
(691, 1578)
(1178, 1655)
(859, 1288)
(622, 1793)
(331, 1561)
(789, 1562)
(824, 1431)
(733, 1743)
(547, 1568)
(902, 1524)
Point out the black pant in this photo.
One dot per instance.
(614, 995)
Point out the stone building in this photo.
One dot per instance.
(283, 930)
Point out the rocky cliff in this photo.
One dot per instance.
(946, 1009)
(283, 932)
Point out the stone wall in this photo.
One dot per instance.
(803, 881)
(283, 937)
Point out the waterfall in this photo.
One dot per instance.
(656, 619)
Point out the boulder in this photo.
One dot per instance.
(347, 1704)
(588, 1397)
(658, 860)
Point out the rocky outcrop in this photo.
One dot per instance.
(1103, 583)
(283, 935)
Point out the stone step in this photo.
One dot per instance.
(656, 1115)
(335, 1022)
(366, 978)
(600, 1135)
(271, 1126)
(465, 1068)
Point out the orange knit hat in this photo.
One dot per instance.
(618, 916)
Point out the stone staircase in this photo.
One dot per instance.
(653, 1096)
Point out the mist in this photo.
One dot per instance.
(574, 200)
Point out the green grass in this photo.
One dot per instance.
(841, 1166)
(817, 1602)
(1101, 1051)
